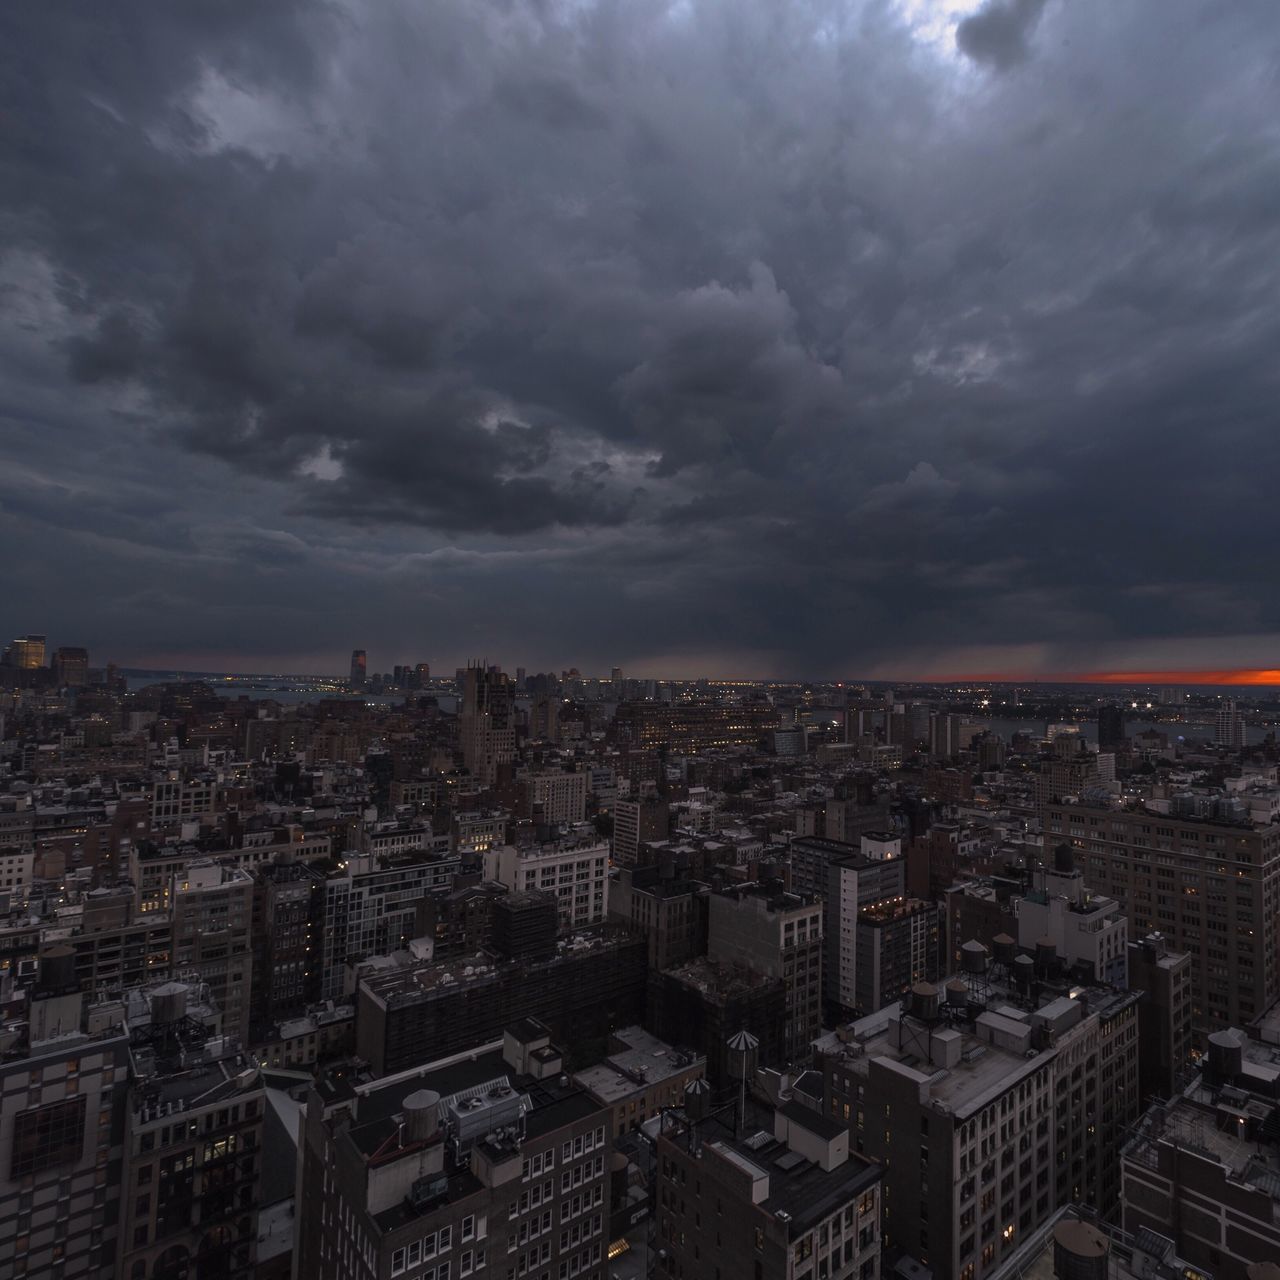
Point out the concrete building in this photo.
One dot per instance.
(1229, 727)
(1088, 932)
(212, 937)
(372, 911)
(575, 869)
(640, 1076)
(776, 935)
(1204, 1167)
(555, 796)
(192, 1142)
(1164, 1016)
(63, 1084)
(670, 913)
(1076, 1243)
(691, 728)
(990, 1110)
(898, 943)
(417, 1012)
(636, 822)
(487, 724)
(847, 881)
(486, 1164)
(288, 916)
(1211, 887)
(777, 1198)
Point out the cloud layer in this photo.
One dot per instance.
(828, 338)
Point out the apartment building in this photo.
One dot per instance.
(373, 910)
(1210, 886)
(478, 1167)
(212, 936)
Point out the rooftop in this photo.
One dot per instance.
(801, 1192)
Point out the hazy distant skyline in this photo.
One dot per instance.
(903, 338)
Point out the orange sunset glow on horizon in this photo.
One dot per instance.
(1229, 676)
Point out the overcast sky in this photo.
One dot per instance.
(812, 338)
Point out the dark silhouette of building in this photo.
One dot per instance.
(1110, 725)
(358, 669)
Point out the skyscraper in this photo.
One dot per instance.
(27, 652)
(1229, 729)
(1110, 725)
(357, 668)
(488, 722)
(71, 666)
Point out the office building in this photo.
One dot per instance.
(774, 1196)
(487, 723)
(1110, 726)
(288, 916)
(1210, 886)
(358, 669)
(27, 653)
(690, 728)
(71, 667)
(575, 870)
(703, 1004)
(990, 1108)
(487, 1165)
(1229, 727)
(1087, 930)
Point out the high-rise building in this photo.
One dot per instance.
(71, 667)
(358, 669)
(487, 722)
(27, 653)
(422, 675)
(1229, 727)
(1110, 725)
(1210, 886)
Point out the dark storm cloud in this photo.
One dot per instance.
(998, 33)
(799, 338)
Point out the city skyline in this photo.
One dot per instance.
(901, 337)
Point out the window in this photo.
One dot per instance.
(48, 1136)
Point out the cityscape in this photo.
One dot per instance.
(478, 972)
(639, 640)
